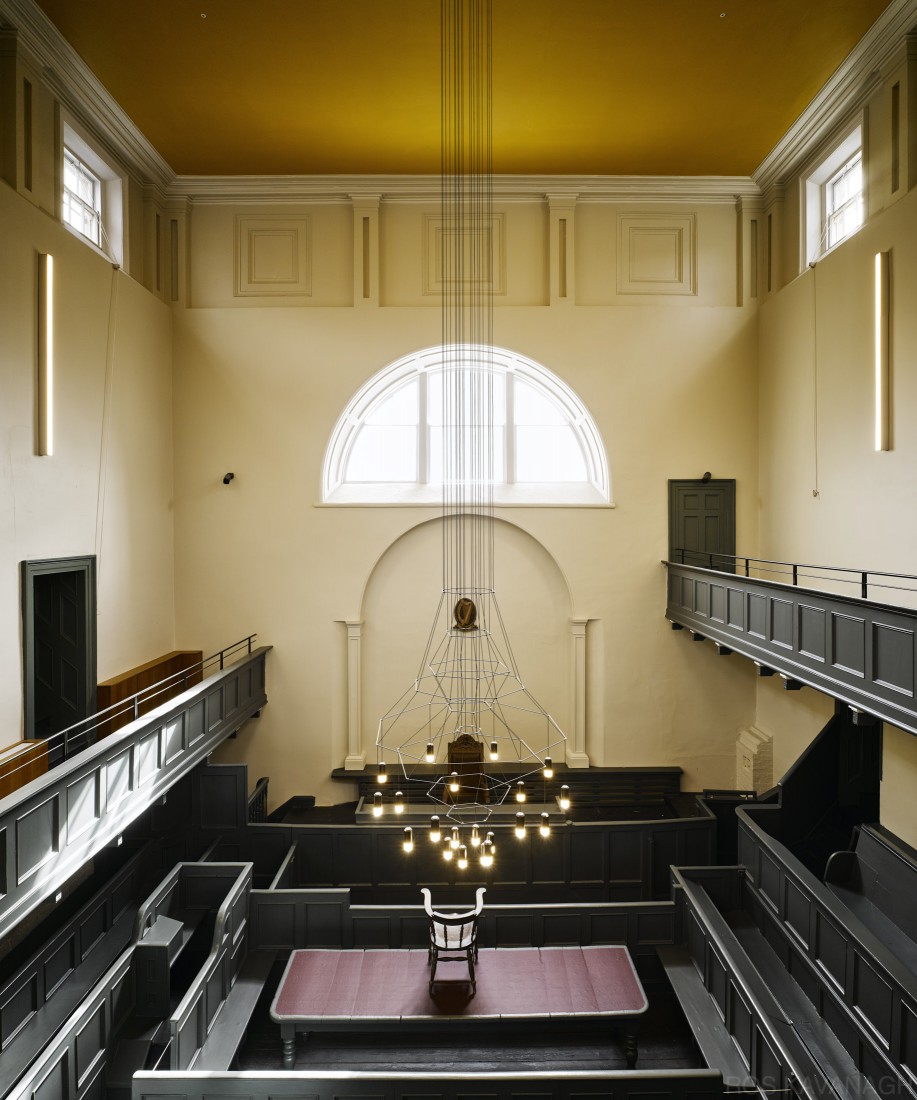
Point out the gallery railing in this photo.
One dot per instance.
(80, 735)
(867, 583)
(861, 652)
(50, 827)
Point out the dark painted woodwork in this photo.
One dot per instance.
(772, 1051)
(595, 786)
(58, 650)
(38, 997)
(442, 1085)
(857, 981)
(287, 919)
(53, 827)
(876, 879)
(830, 789)
(586, 861)
(702, 520)
(857, 651)
(706, 1010)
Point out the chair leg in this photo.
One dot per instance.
(433, 960)
(474, 984)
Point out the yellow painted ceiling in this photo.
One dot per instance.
(669, 87)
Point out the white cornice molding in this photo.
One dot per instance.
(267, 190)
(77, 87)
(845, 91)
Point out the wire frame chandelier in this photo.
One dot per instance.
(467, 735)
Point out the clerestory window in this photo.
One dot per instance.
(92, 194)
(82, 208)
(835, 201)
(388, 445)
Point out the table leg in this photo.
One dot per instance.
(288, 1037)
(630, 1045)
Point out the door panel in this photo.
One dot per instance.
(59, 653)
(702, 522)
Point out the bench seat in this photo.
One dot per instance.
(713, 1040)
(226, 1035)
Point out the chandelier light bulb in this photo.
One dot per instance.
(564, 799)
(520, 825)
(454, 840)
(454, 783)
(463, 858)
(399, 802)
(382, 776)
(377, 804)
(447, 852)
(435, 834)
(544, 828)
(490, 839)
(475, 836)
(494, 751)
(487, 854)
(430, 754)
(520, 791)
(408, 842)
(548, 768)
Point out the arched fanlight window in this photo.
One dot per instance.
(387, 446)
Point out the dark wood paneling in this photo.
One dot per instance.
(861, 652)
(620, 1085)
(57, 824)
(613, 861)
(860, 985)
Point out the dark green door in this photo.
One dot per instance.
(59, 651)
(702, 523)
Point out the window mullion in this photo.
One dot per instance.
(423, 431)
(509, 435)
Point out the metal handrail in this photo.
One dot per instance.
(85, 727)
(862, 576)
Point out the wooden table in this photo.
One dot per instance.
(333, 990)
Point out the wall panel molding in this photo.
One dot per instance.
(273, 256)
(657, 253)
(435, 228)
(858, 651)
(50, 827)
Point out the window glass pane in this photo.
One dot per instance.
(383, 454)
(548, 454)
(530, 406)
(844, 201)
(474, 388)
(464, 466)
(82, 200)
(399, 407)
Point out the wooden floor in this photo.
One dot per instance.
(665, 1043)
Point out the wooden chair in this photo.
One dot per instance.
(453, 936)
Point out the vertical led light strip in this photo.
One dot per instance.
(45, 354)
(882, 341)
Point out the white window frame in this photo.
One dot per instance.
(817, 182)
(595, 492)
(112, 193)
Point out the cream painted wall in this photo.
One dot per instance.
(816, 403)
(400, 607)
(258, 391)
(107, 489)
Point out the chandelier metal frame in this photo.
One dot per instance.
(468, 694)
